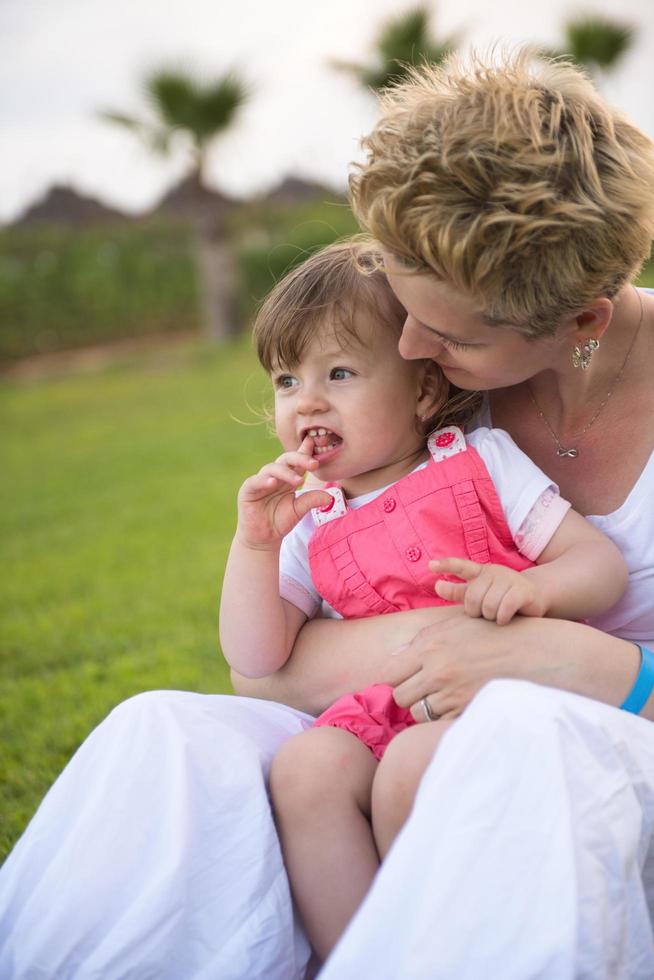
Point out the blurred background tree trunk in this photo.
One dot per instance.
(216, 281)
(195, 112)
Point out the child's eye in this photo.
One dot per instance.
(285, 381)
(340, 374)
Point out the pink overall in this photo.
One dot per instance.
(374, 560)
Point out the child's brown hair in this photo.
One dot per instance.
(335, 284)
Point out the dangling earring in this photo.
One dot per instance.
(581, 355)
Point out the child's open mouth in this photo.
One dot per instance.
(324, 441)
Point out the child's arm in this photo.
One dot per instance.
(257, 627)
(579, 573)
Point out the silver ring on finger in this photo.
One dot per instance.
(426, 707)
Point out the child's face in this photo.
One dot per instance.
(361, 402)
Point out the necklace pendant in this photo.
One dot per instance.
(572, 453)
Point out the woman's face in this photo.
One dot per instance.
(449, 328)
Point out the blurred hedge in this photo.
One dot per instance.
(63, 288)
(273, 240)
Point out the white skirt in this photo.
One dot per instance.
(154, 855)
(526, 852)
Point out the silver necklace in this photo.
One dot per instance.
(572, 452)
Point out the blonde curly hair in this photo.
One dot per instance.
(513, 182)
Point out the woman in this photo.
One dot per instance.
(515, 209)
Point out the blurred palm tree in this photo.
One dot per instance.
(401, 43)
(184, 110)
(595, 43)
(182, 105)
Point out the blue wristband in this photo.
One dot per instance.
(643, 685)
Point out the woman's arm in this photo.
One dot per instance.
(449, 656)
(451, 662)
(335, 656)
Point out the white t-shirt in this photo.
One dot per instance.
(532, 507)
(631, 528)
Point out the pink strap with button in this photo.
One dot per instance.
(336, 508)
(446, 442)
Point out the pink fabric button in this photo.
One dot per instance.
(327, 507)
(413, 554)
(389, 505)
(445, 439)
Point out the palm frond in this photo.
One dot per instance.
(401, 37)
(183, 102)
(218, 104)
(156, 137)
(180, 103)
(170, 95)
(402, 42)
(121, 119)
(597, 41)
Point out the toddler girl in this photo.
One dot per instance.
(348, 408)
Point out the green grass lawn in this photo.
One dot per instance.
(117, 509)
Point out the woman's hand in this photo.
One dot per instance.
(449, 662)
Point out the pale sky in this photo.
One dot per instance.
(62, 60)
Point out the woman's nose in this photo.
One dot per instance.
(415, 342)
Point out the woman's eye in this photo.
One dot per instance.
(454, 344)
(340, 374)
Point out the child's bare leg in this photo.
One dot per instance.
(321, 783)
(398, 777)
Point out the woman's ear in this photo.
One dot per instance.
(433, 391)
(591, 322)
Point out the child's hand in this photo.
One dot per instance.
(267, 506)
(493, 592)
